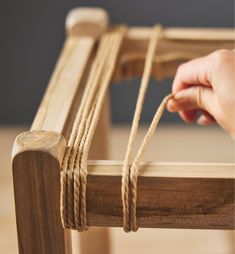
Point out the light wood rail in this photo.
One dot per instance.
(169, 195)
(37, 155)
(176, 46)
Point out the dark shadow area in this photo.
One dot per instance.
(32, 35)
(124, 96)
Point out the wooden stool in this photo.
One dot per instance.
(38, 153)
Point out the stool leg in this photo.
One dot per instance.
(36, 163)
(96, 240)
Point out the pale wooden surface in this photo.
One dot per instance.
(8, 236)
(62, 96)
(63, 113)
(56, 112)
(59, 99)
(176, 45)
(87, 21)
(167, 145)
(184, 33)
(191, 170)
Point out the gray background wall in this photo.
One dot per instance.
(32, 34)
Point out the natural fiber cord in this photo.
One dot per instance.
(134, 167)
(130, 171)
(73, 174)
(74, 166)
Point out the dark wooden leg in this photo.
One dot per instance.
(37, 156)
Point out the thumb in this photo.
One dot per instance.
(194, 97)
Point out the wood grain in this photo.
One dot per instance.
(176, 46)
(155, 240)
(58, 101)
(185, 196)
(173, 195)
(37, 158)
(84, 26)
(38, 154)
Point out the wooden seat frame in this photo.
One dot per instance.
(170, 195)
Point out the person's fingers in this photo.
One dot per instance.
(206, 119)
(196, 97)
(194, 72)
(188, 116)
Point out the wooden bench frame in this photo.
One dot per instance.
(170, 195)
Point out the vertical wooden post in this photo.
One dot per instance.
(37, 157)
(38, 154)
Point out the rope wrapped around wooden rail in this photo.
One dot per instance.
(74, 167)
(130, 170)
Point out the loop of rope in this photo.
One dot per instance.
(73, 175)
(130, 170)
(74, 167)
(134, 167)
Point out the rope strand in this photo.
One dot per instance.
(134, 128)
(73, 174)
(74, 167)
(134, 167)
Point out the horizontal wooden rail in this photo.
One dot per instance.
(176, 46)
(170, 195)
(184, 33)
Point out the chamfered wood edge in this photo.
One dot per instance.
(49, 142)
(165, 169)
(54, 144)
(87, 21)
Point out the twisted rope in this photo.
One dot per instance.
(130, 170)
(135, 168)
(74, 167)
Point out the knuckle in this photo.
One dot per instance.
(180, 68)
(220, 57)
(221, 53)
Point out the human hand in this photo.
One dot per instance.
(206, 85)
